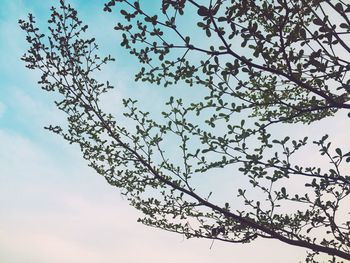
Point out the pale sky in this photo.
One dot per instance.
(55, 209)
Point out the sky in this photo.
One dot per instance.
(53, 208)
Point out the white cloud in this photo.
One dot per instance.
(57, 210)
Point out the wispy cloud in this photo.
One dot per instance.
(54, 208)
(57, 210)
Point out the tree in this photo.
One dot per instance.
(271, 63)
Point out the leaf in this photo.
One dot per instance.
(203, 11)
(344, 25)
(338, 151)
(208, 33)
(318, 22)
(339, 7)
(107, 8)
(283, 190)
(302, 33)
(201, 24)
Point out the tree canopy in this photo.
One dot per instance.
(261, 64)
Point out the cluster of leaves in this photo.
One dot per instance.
(273, 81)
(282, 59)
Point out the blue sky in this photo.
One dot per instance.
(53, 208)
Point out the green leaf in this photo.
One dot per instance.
(203, 11)
(338, 151)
